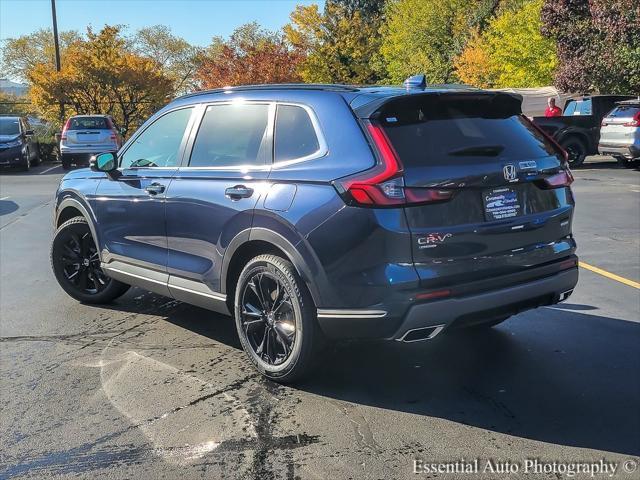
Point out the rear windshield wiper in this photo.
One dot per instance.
(481, 150)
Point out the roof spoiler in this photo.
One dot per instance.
(504, 101)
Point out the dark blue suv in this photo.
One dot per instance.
(319, 212)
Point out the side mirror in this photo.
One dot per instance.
(104, 162)
(28, 132)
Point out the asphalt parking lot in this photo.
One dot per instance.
(152, 388)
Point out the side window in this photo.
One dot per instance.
(231, 136)
(585, 107)
(295, 136)
(159, 144)
(570, 108)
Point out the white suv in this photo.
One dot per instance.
(620, 132)
(86, 135)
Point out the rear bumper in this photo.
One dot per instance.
(474, 309)
(627, 151)
(462, 310)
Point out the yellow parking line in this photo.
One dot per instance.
(610, 275)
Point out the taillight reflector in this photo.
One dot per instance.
(432, 295)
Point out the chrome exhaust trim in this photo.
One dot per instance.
(565, 295)
(424, 333)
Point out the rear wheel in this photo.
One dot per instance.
(76, 265)
(66, 162)
(26, 162)
(576, 149)
(275, 318)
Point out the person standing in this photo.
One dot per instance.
(552, 110)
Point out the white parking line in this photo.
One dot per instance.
(48, 169)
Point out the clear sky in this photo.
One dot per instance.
(194, 20)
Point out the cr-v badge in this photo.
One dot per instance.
(510, 173)
(432, 240)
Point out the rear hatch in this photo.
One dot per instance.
(88, 132)
(620, 126)
(486, 191)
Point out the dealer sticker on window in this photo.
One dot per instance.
(501, 203)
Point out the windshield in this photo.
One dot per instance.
(9, 126)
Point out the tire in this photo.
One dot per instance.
(37, 160)
(624, 162)
(66, 162)
(279, 338)
(73, 241)
(576, 149)
(26, 165)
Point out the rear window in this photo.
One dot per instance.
(295, 135)
(89, 123)
(440, 131)
(624, 111)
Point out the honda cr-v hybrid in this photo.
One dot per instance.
(319, 212)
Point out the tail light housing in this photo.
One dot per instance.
(383, 185)
(67, 124)
(563, 178)
(635, 121)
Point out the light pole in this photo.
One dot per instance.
(56, 44)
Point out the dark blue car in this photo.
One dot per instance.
(320, 212)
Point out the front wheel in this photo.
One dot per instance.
(76, 265)
(275, 318)
(26, 162)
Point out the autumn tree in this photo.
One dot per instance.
(511, 52)
(340, 44)
(598, 44)
(252, 55)
(101, 75)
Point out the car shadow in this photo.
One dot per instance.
(7, 207)
(549, 375)
(604, 163)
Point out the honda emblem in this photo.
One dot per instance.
(510, 173)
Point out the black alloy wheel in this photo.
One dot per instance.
(276, 318)
(76, 264)
(267, 318)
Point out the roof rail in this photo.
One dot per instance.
(276, 86)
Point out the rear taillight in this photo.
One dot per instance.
(635, 121)
(63, 136)
(383, 185)
(564, 178)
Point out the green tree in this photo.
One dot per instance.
(177, 58)
(424, 36)
(511, 52)
(340, 44)
(21, 54)
(101, 75)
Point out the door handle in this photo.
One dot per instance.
(238, 192)
(155, 188)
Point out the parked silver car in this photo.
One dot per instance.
(86, 135)
(620, 132)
